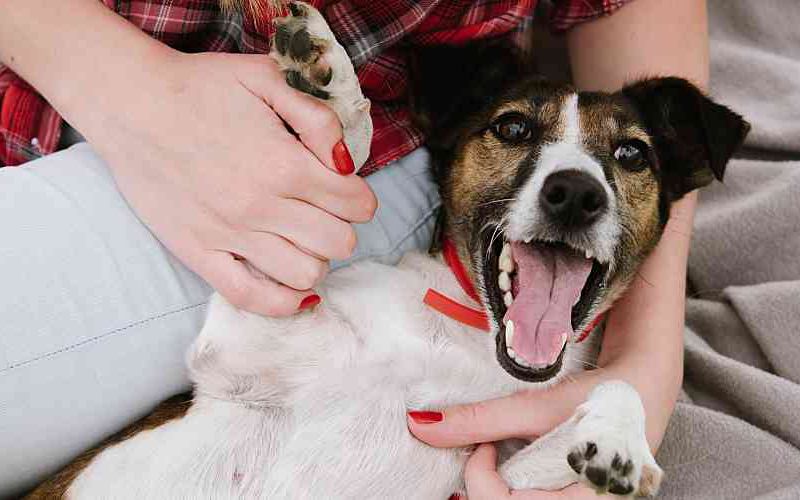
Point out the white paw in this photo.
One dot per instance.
(301, 46)
(609, 451)
(315, 63)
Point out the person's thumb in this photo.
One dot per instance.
(481, 477)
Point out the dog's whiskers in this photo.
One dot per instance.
(497, 201)
(586, 363)
(497, 230)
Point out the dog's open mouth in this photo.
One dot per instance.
(539, 293)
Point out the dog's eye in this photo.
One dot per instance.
(632, 155)
(513, 127)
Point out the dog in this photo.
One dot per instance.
(551, 200)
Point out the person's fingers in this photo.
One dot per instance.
(485, 483)
(349, 198)
(314, 122)
(483, 422)
(295, 173)
(317, 126)
(309, 228)
(481, 477)
(232, 279)
(281, 260)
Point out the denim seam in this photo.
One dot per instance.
(104, 335)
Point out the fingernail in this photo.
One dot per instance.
(342, 159)
(455, 496)
(309, 302)
(426, 417)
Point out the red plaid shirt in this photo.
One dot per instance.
(378, 35)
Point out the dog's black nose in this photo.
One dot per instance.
(573, 199)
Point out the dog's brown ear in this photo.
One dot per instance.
(694, 137)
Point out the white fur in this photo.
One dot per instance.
(314, 406)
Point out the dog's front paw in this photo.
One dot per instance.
(315, 63)
(610, 451)
(300, 45)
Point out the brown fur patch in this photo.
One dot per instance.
(486, 169)
(605, 125)
(57, 486)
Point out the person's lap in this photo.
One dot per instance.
(95, 315)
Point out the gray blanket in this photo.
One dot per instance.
(736, 431)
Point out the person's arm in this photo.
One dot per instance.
(643, 341)
(644, 334)
(198, 147)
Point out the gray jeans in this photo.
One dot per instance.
(95, 315)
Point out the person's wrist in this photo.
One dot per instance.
(127, 91)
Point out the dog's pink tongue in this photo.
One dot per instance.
(549, 283)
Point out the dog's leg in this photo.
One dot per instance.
(603, 445)
(314, 63)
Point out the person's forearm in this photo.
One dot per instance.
(648, 38)
(650, 320)
(83, 58)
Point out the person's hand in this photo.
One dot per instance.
(198, 146)
(526, 414)
(202, 154)
(484, 483)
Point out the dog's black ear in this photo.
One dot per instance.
(694, 137)
(448, 84)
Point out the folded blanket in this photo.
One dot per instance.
(736, 431)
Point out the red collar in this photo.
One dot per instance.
(467, 315)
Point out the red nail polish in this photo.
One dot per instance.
(342, 159)
(309, 302)
(455, 496)
(426, 417)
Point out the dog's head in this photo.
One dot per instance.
(554, 197)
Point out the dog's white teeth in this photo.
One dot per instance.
(504, 281)
(506, 262)
(508, 299)
(516, 357)
(513, 355)
(589, 254)
(509, 333)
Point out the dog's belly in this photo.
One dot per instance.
(342, 436)
(315, 406)
(351, 438)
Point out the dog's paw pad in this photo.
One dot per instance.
(297, 9)
(296, 80)
(607, 468)
(301, 45)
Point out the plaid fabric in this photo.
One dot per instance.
(378, 35)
